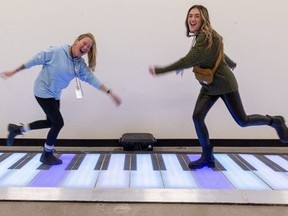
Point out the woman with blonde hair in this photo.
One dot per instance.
(61, 64)
(204, 54)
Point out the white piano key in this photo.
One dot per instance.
(8, 162)
(85, 176)
(115, 176)
(174, 176)
(276, 180)
(21, 177)
(241, 179)
(145, 176)
(279, 160)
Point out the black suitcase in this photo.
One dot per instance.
(137, 141)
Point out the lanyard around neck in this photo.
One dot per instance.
(78, 83)
(74, 66)
(78, 89)
(74, 69)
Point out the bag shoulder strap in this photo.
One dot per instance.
(220, 56)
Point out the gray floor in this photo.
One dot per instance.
(139, 209)
(55, 208)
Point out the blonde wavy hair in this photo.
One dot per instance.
(92, 52)
(206, 27)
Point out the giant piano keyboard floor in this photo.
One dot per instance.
(116, 176)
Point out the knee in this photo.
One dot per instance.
(242, 122)
(197, 117)
(61, 124)
(58, 124)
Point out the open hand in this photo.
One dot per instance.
(116, 99)
(152, 70)
(6, 74)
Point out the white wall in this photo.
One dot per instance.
(131, 35)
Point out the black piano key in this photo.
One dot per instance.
(183, 162)
(133, 162)
(186, 159)
(106, 162)
(248, 165)
(24, 160)
(79, 161)
(127, 162)
(270, 163)
(44, 167)
(218, 166)
(19, 161)
(75, 162)
(161, 162)
(72, 162)
(99, 163)
(4, 156)
(239, 162)
(284, 156)
(154, 161)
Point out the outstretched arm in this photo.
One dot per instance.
(114, 97)
(7, 74)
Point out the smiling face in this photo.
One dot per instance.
(82, 47)
(194, 20)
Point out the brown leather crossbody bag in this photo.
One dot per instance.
(206, 75)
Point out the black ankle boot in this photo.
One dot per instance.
(49, 158)
(13, 130)
(206, 159)
(278, 123)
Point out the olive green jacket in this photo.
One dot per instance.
(224, 80)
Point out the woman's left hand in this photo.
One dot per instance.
(117, 100)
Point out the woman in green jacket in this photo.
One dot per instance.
(204, 53)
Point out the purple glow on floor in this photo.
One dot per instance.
(54, 176)
(207, 178)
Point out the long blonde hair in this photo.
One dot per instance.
(206, 27)
(92, 52)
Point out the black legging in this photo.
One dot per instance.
(233, 103)
(54, 119)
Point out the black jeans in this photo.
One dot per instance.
(234, 105)
(54, 119)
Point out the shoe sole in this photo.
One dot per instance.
(200, 166)
(50, 163)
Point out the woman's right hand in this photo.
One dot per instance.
(6, 74)
(152, 70)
